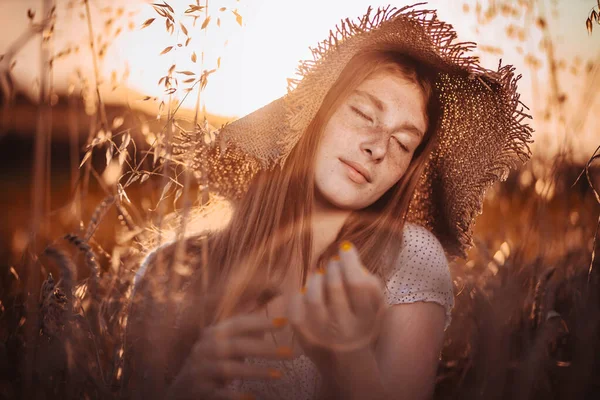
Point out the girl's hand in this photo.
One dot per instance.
(217, 358)
(340, 310)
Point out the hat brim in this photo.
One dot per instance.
(482, 134)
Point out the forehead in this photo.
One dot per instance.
(392, 86)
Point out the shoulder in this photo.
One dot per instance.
(188, 247)
(149, 259)
(418, 241)
(152, 284)
(187, 253)
(421, 272)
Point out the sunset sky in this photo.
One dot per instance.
(262, 53)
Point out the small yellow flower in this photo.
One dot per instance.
(274, 373)
(284, 351)
(345, 245)
(279, 322)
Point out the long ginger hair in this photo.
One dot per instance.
(269, 233)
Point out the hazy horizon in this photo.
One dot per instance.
(275, 35)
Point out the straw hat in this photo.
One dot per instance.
(481, 136)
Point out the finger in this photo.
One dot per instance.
(227, 394)
(230, 369)
(296, 311)
(247, 324)
(334, 288)
(314, 287)
(241, 347)
(316, 309)
(193, 383)
(362, 287)
(191, 391)
(352, 267)
(354, 276)
(213, 393)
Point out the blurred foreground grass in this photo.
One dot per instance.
(527, 319)
(526, 322)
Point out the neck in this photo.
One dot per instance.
(327, 221)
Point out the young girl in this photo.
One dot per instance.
(331, 279)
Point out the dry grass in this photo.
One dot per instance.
(66, 288)
(500, 344)
(532, 255)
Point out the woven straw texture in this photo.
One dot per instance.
(482, 135)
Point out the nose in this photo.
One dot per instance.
(376, 147)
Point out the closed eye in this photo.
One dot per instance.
(366, 117)
(361, 114)
(401, 144)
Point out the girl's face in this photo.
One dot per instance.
(369, 141)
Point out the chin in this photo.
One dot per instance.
(345, 201)
(336, 189)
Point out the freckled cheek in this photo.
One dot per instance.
(340, 129)
(394, 171)
(398, 166)
(330, 137)
(336, 143)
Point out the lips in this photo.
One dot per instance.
(358, 168)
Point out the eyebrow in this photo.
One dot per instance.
(406, 126)
(378, 103)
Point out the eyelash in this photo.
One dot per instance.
(365, 116)
(362, 114)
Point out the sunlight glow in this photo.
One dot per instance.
(142, 48)
(276, 34)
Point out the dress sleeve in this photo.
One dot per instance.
(422, 272)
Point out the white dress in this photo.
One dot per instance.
(422, 275)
